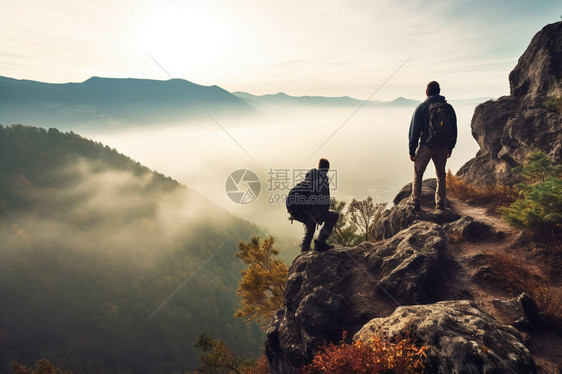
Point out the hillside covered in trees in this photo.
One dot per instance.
(107, 266)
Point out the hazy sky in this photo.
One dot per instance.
(327, 47)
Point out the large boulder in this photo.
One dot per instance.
(509, 128)
(335, 291)
(401, 216)
(521, 311)
(409, 264)
(427, 197)
(461, 338)
(472, 230)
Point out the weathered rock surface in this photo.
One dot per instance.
(339, 290)
(509, 128)
(472, 230)
(462, 338)
(401, 216)
(539, 69)
(521, 311)
(427, 196)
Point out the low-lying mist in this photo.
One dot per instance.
(117, 207)
(111, 267)
(368, 150)
(115, 269)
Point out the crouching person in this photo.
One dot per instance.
(310, 204)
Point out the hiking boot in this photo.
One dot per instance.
(322, 246)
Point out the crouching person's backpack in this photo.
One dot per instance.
(297, 202)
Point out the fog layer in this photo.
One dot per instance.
(368, 149)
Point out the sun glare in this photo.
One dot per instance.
(183, 36)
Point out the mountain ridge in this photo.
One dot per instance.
(281, 98)
(107, 101)
(120, 102)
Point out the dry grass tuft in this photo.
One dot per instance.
(496, 196)
(511, 276)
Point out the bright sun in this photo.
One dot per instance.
(184, 36)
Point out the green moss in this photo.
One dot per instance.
(554, 103)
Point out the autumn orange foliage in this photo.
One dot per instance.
(259, 367)
(374, 356)
(42, 366)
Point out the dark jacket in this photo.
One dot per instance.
(319, 198)
(419, 126)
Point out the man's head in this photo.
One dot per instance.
(432, 88)
(323, 164)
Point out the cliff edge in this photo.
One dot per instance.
(456, 280)
(432, 274)
(527, 120)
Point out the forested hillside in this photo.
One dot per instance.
(108, 266)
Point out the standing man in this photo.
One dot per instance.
(311, 206)
(434, 126)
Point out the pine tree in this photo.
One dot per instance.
(539, 206)
(345, 231)
(538, 167)
(217, 355)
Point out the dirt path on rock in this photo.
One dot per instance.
(471, 257)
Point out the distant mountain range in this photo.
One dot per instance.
(119, 102)
(343, 101)
(111, 101)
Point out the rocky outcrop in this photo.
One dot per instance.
(402, 216)
(363, 290)
(343, 289)
(539, 69)
(427, 197)
(461, 338)
(509, 128)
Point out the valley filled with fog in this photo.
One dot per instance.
(138, 264)
(368, 152)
